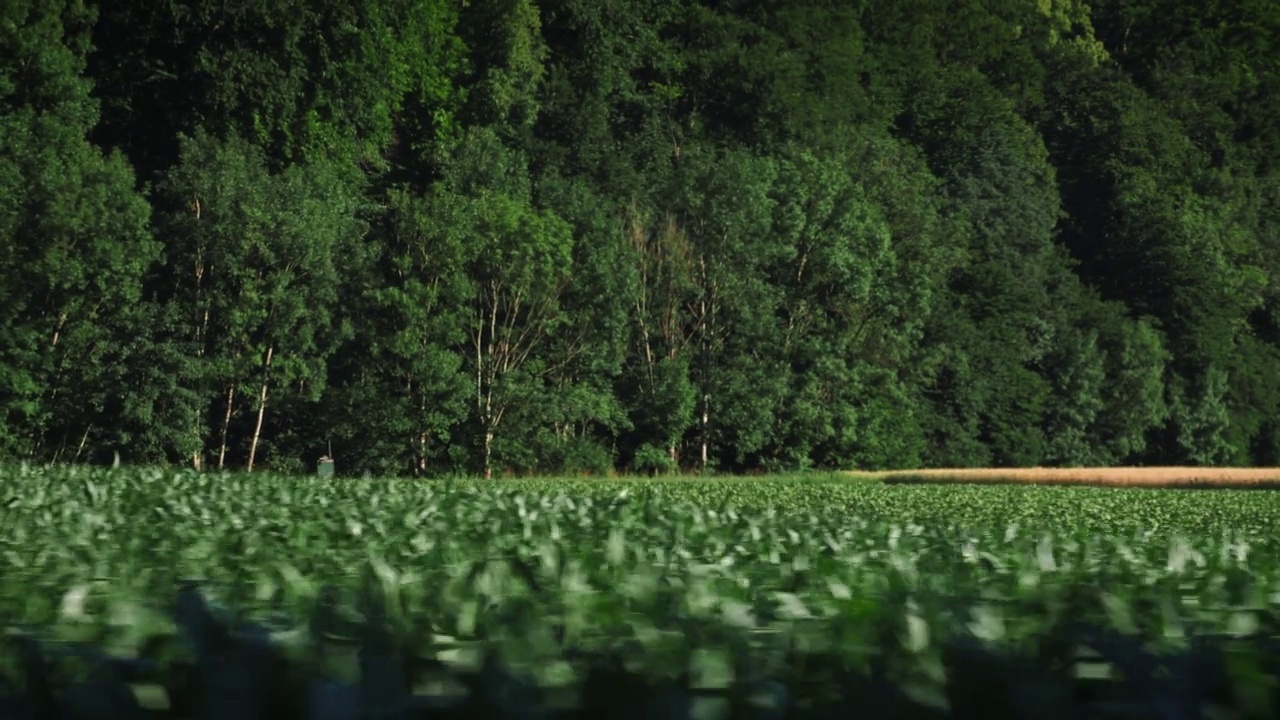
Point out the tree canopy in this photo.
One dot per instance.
(576, 236)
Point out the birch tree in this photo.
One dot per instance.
(263, 256)
(517, 260)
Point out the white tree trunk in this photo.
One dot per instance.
(226, 423)
(262, 410)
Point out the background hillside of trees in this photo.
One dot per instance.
(577, 235)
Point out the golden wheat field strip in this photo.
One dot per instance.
(1229, 477)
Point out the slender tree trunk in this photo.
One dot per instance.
(262, 409)
(197, 455)
(704, 424)
(488, 421)
(57, 331)
(226, 424)
(202, 332)
(488, 454)
(420, 466)
(482, 400)
(83, 439)
(55, 384)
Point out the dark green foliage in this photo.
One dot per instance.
(565, 235)
(74, 244)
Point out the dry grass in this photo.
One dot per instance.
(1160, 477)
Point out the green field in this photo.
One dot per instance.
(799, 577)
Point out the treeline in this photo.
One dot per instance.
(574, 235)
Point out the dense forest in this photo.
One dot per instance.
(570, 236)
